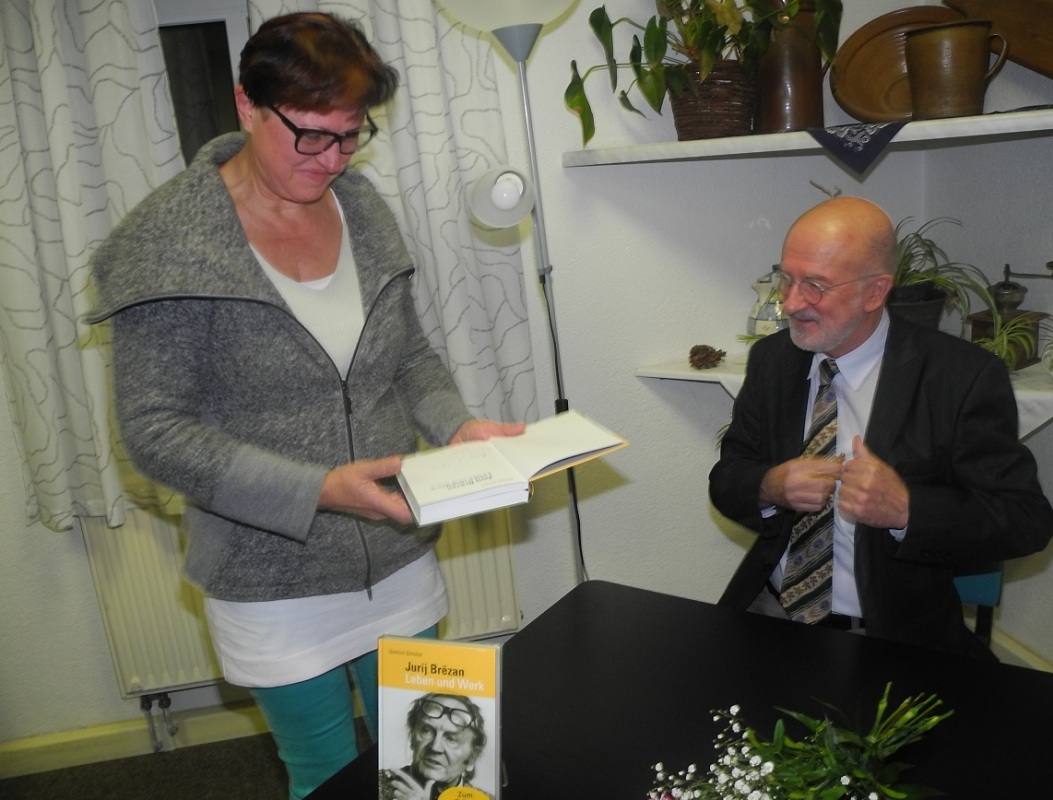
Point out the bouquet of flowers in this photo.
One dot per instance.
(829, 763)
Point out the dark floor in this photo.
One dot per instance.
(236, 769)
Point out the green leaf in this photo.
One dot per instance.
(678, 82)
(656, 41)
(779, 736)
(636, 58)
(578, 103)
(833, 792)
(828, 27)
(601, 25)
(627, 104)
(651, 84)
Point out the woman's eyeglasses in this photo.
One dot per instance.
(313, 142)
(458, 716)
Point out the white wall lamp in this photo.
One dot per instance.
(504, 196)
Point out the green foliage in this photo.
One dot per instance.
(921, 260)
(1011, 339)
(685, 34)
(828, 762)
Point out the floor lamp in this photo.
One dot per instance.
(503, 197)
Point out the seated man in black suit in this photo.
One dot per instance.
(912, 471)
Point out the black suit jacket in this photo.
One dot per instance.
(945, 418)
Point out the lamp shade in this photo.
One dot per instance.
(501, 198)
(488, 15)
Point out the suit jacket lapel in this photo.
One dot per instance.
(897, 384)
(796, 399)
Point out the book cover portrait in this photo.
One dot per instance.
(439, 731)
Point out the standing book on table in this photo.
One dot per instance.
(473, 477)
(439, 717)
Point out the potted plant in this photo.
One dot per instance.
(684, 42)
(1014, 339)
(926, 282)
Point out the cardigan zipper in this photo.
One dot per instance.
(345, 392)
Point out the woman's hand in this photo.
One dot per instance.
(355, 488)
(479, 429)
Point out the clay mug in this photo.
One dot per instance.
(948, 68)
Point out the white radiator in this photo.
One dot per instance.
(475, 555)
(155, 619)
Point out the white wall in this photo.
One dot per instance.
(648, 261)
(651, 259)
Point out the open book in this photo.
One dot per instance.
(473, 477)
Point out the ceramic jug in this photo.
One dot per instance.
(767, 315)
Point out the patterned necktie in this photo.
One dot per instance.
(807, 581)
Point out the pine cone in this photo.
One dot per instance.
(704, 357)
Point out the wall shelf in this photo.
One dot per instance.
(959, 130)
(1033, 386)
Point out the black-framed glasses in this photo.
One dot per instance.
(313, 142)
(811, 291)
(458, 716)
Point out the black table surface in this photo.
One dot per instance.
(612, 679)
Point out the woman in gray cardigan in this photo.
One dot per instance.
(269, 365)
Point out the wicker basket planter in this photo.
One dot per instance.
(723, 106)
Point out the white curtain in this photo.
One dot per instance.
(441, 133)
(86, 131)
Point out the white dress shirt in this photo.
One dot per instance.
(854, 385)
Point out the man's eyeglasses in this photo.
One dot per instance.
(811, 291)
(313, 142)
(458, 716)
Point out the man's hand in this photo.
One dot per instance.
(354, 488)
(801, 484)
(405, 788)
(872, 492)
(479, 429)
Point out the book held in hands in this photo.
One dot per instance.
(473, 477)
(439, 727)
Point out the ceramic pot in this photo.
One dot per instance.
(921, 303)
(948, 68)
(790, 75)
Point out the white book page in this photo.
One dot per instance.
(457, 470)
(551, 441)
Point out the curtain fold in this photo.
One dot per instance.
(442, 131)
(87, 131)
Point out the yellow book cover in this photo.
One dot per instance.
(439, 727)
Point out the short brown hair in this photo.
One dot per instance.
(314, 62)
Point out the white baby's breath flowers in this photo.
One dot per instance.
(748, 766)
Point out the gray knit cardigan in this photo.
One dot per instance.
(223, 396)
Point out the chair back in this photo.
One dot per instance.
(981, 586)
